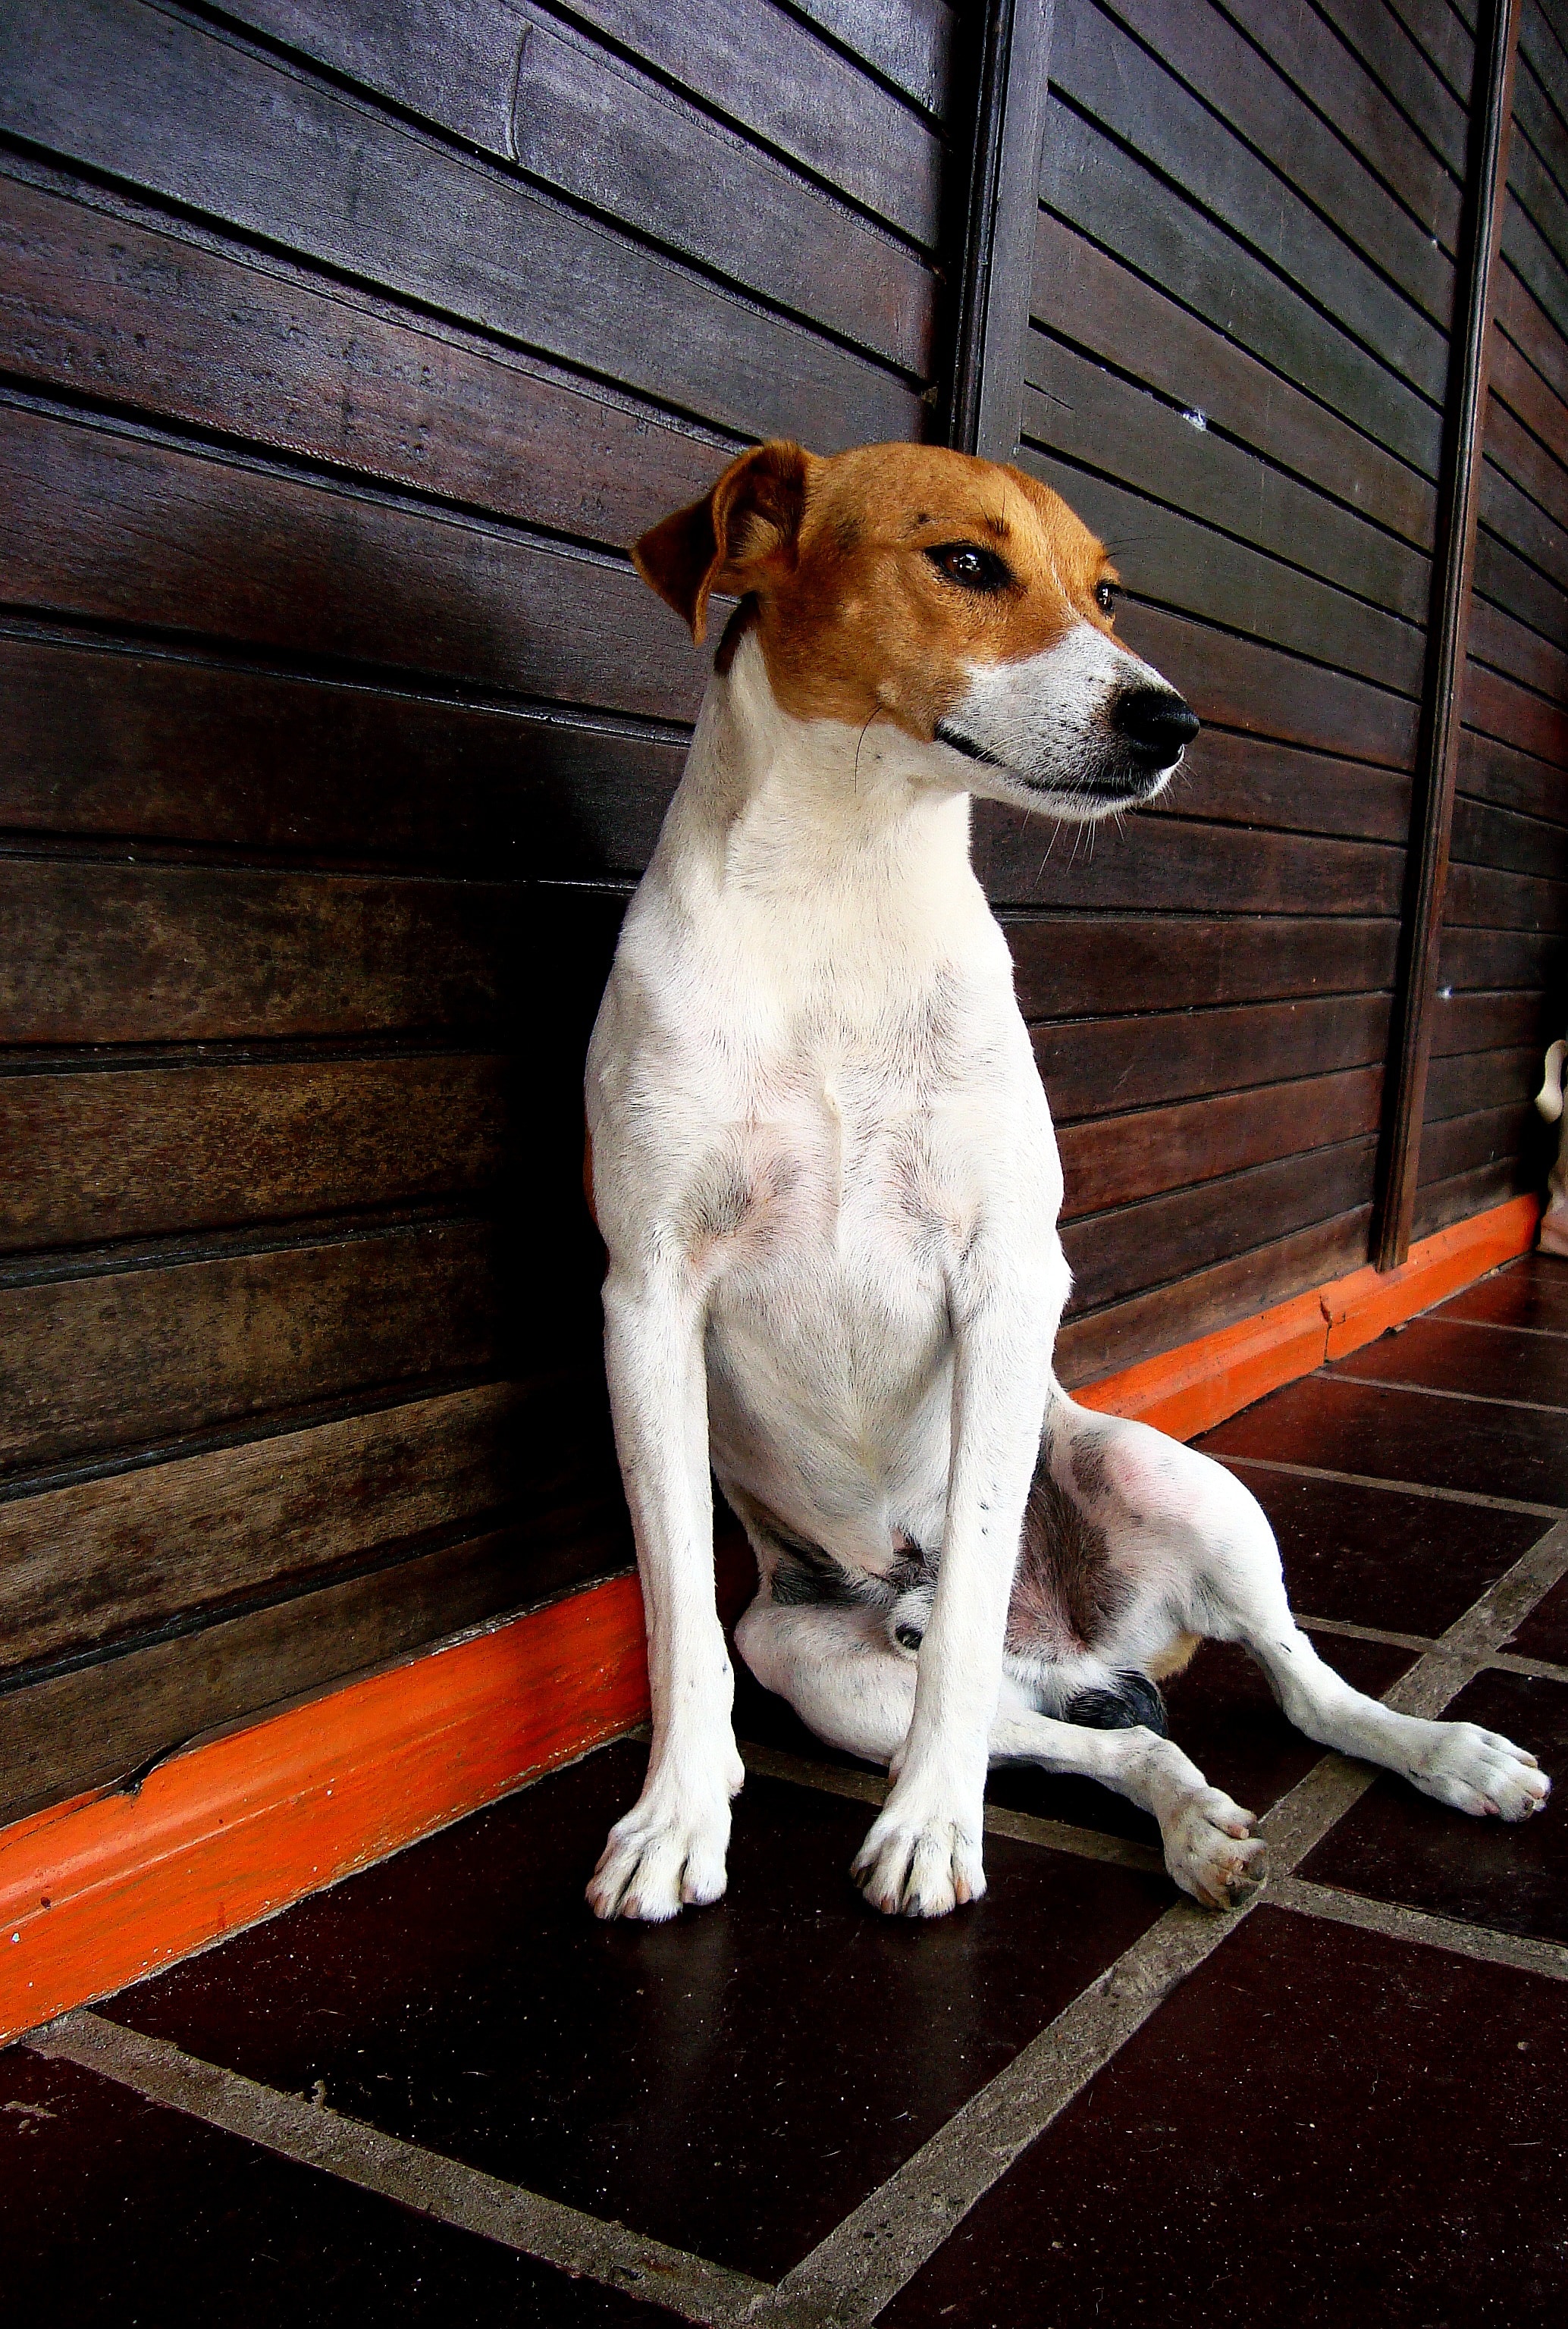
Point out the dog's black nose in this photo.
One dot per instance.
(1156, 722)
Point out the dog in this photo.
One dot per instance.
(824, 1168)
(1553, 1234)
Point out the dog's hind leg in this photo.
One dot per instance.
(839, 1672)
(1171, 1513)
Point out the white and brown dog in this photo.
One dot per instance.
(824, 1170)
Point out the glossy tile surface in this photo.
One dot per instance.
(1339, 1425)
(1376, 1557)
(1398, 1845)
(1531, 1293)
(113, 2211)
(1320, 2129)
(734, 2083)
(1485, 1361)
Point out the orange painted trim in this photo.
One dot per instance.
(1189, 1389)
(99, 1891)
(96, 1892)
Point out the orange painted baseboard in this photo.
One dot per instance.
(98, 1891)
(1191, 1389)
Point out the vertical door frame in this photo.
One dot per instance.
(1448, 635)
(998, 265)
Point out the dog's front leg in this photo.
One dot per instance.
(923, 1854)
(669, 1848)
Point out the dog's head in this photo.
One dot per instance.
(959, 601)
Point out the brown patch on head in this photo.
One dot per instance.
(865, 606)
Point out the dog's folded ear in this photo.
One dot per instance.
(750, 521)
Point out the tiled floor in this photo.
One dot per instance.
(441, 2093)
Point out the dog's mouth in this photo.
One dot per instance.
(1140, 782)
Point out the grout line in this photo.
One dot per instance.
(862, 2265)
(1542, 1669)
(710, 2295)
(1343, 1627)
(1499, 1327)
(1394, 1487)
(1339, 1371)
(1022, 1827)
(1402, 1924)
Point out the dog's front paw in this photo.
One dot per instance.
(1480, 1772)
(913, 1866)
(660, 1860)
(1212, 1852)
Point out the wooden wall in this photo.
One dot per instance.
(1503, 968)
(343, 350)
(1243, 282)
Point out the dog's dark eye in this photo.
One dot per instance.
(1105, 595)
(969, 566)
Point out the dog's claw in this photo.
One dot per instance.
(1480, 1772)
(1211, 1853)
(920, 1870)
(657, 1863)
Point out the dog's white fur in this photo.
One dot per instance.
(826, 1173)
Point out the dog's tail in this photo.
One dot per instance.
(1549, 1098)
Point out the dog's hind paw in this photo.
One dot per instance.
(1480, 1772)
(1211, 1853)
(656, 1864)
(919, 1870)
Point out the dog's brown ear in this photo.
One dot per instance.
(752, 516)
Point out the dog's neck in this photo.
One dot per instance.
(794, 815)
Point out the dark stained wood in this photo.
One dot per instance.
(1086, 413)
(1196, 43)
(1493, 960)
(1478, 1022)
(105, 1361)
(1498, 1136)
(1507, 646)
(1251, 780)
(909, 45)
(1400, 62)
(1499, 708)
(181, 747)
(1492, 771)
(1094, 185)
(1497, 898)
(1484, 836)
(1519, 315)
(1240, 684)
(1299, 45)
(1096, 1067)
(1192, 1229)
(1065, 967)
(88, 1157)
(231, 549)
(1160, 862)
(103, 953)
(1010, 41)
(1536, 472)
(1119, 1160)
(159, 320)
(1469, 1081)
(178, 110)
(1454, 619)
(1088, 298)
(805, 100)
(1117, 1336)
(1518, 387)
(1439, 1202)
(93, 1726)
(1516, 573)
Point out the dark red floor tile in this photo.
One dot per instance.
(734, 2083)
(1545, 1631)
(1398, 1845)
(1321, 2127)
(1376, 1557)
(1339, 1425)
(1221, 1712)
(1483, 1361)
(113, 2211)
(1532, 1292)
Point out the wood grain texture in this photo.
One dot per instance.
(1119, 1160)
(221, 337)
(102, 953)
(164, 746)
(1191, 1230)
(185, 1341)
(104, 1560)
(1166, 863)
(98, 522)
(1099, 1067)
(182, 112)
(88, 1157)
(1064, 967)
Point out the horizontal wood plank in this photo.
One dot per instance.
(1065, 967)
(88, 1157)
(1099, 1067)
(1160, 861)
(132, 1355)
